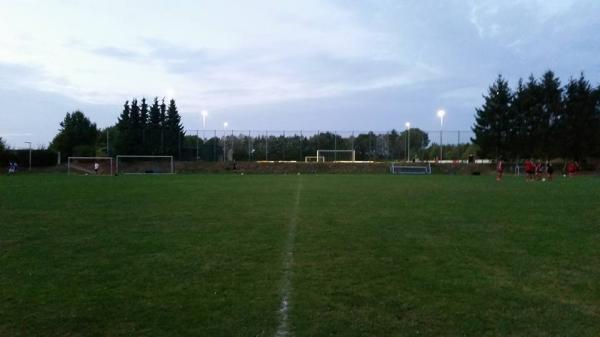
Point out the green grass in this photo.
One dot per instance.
(373, 255)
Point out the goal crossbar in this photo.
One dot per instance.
(172, 167)
(69, 165)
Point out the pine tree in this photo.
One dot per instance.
(163, 126)
(135, 128)
(122, 144)
(534, 118)
(144, 126)
(595, 125)
(521, 133)
(577, 125)
(174, 129)
(154, 128)
(551, 108)
(526, 108)
(492, 127)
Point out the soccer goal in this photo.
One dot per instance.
(134, 164)
(337, 155)
(90, 165)
(397, 168)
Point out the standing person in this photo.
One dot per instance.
(11, 167)
(529, 169)
(539, 170)
(549, 170)
(96, 167)
(499, 169)
(572, 168)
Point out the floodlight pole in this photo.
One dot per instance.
(441, 114)
(29, 154)
(225, 124)
(204, 114)
(408, 142)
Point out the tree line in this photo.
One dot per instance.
(156, 130)
(539, 118)
(141, 129)
(149, 129)
(392, 145)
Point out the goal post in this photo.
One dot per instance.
(337, 155)
(141, 164)
(87, 165)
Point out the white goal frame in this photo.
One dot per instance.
(141, 156)
(89, 158)
(337, 151)
(397, 168)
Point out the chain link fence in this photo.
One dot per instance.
(297, 145)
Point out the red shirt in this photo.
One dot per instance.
(529, 166)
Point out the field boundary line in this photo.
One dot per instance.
(283, 328)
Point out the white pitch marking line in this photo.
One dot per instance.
(288, 261)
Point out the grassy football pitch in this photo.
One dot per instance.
(309, 255)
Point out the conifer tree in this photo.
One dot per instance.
(174, 129)
(577, 125)
(122, 144)
(154, 128)
(551, 109)
(492, 121)
(163, 127)
(144, 126)
(135, 128)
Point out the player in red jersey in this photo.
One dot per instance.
(529, 169)
(499, 169)
(572, 168)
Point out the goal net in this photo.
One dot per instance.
(130, 164)
(336, 155)
(397, 168)
(90, 165)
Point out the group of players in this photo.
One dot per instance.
(539, 170)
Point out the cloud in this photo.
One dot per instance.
(117, 53)
(13, 74)
(229, 55)
(33, 115)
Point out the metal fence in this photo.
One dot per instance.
(296, 145)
